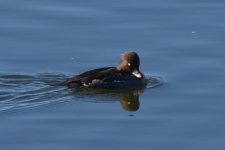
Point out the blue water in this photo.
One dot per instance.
(180, 43)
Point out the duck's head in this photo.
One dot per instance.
(130, 63)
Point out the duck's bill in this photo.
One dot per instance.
(137, 74)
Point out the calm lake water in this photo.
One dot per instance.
(180, 43)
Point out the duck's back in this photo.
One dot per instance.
(93, 78)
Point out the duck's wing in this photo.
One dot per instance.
(87, 77)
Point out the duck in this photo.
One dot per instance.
(126, 75)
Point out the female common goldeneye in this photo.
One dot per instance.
(125, 75)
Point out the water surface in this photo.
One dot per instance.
(43, 42)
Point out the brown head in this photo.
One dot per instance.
(130, 63)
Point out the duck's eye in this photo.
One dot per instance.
(129, 64)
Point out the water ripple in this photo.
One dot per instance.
(153, 81)
(23, 91)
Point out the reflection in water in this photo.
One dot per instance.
(130, 100)
(18, 91)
